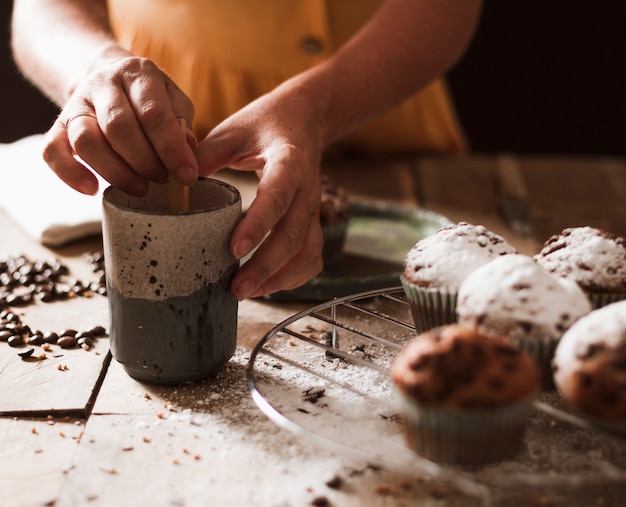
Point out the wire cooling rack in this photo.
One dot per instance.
(324, 374)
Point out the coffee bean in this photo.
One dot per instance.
(98, 331)
(16, 340)
(85, 341)
(67, 342)
(22, 281)
(46, 296)
(10, 317)
(36, 339)
(51, 337)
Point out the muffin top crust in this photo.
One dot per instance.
(591, 257)
(513, 296)
(443, 260)
(455, 367)
(590, 363)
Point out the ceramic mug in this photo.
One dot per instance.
(173, 318)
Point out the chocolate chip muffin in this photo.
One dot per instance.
(513, 296)
(334, 219)
(436, 265)
(590, 365)
(593, 258)
(465, 396)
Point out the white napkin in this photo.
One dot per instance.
(43, 205)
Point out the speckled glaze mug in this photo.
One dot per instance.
(173, 318)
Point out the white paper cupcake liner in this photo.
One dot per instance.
(542, 351)
(600, 300)
(466, 436)
(429, 307)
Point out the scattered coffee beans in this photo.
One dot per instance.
(24, 282)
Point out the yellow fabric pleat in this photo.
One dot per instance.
(225, 53)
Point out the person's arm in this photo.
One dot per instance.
(405, 45)
(119, 112)
(134, 136)
(57, 63)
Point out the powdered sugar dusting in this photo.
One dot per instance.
(605, 326)
(515, 297)
(444, 259)
(593, 258)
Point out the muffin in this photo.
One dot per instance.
(436, 265)
(593, 258)
(590, 366)
(465, 397)
(513, 296)
(334, 219)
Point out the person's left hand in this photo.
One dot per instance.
(279, 136)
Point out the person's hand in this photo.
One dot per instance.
(121, 120)
(280, 137)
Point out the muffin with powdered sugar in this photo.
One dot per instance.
(436, 265)
(513, 296)
(590, 366)
(593, 258)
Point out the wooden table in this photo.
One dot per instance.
(76, 430)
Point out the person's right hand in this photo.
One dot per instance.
(122, 121)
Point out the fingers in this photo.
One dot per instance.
(123, 123)
(282, 222)
(299, 269)
(123, 131)
(80, 135)
(158, 113)
(58, 154)
(285, 217)
(273, 267)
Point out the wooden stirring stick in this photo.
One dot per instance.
(178, 193)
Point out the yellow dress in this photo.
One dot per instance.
(225, 53)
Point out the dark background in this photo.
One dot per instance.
(541, 76)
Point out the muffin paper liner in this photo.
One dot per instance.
(599, 300)
(465, 436)
(542, 351)
(429, 307)
(334, 240)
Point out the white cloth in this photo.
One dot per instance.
(44, 206)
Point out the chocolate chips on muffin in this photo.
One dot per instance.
(593, 258)
(465, 397)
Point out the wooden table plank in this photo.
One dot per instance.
(35, 456)
(562, 191)
(209, 443)
(570, 192)
(64, 382)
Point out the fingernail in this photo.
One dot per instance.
(244, 289)
(186, 175)
(242, 248)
